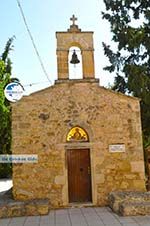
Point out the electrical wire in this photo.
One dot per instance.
(32, 40)
(33, 84)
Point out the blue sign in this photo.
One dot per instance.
(14, 91)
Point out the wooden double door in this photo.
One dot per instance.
(79, 175)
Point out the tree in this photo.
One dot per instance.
(5, 110)
(130, 26)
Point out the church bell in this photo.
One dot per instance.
(74, 59)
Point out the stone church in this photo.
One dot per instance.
(88, 138)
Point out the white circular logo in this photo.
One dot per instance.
(14, 91)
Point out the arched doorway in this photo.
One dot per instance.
(79, 167)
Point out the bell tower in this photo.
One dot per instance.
(81, 39)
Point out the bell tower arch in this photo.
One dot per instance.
(75, 37)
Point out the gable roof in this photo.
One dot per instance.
(77, 81)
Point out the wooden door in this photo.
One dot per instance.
(79, 175)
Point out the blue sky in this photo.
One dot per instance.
(44, 19)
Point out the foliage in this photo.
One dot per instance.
(5, 110)
(130, 26)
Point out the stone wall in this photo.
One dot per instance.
(40, 126)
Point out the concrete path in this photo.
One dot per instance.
(91, 216)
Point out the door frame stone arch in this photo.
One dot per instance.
(81, 145)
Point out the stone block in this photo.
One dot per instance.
(111, 166)
(139, 185)
(134, 208)
(60, 180)
(13, 208)
(125, 203)
(3, 211)
(42, 207)
(31, 209)
(130, 176)
(15, 211)
(99, 178)
(124, 185)
(137, 166)
(21, 194)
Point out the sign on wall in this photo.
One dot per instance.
(14, 91)
(117, 148)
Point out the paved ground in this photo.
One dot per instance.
(101, 216)
(98, 216)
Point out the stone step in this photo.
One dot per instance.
(134, 208)
(116, 199)
(12, 208)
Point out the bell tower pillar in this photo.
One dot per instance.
(62, 64)
(81, 39)
(88, 64)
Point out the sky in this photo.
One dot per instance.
(44, 18)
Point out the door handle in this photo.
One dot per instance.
(89, 170)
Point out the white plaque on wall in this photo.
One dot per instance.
(117, 148)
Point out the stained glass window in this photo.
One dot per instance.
(77, 134)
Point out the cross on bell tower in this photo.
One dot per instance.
(81, 39)
(73, 19)
(74, 27)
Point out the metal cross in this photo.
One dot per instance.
(73, 18)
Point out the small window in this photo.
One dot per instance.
(77, 134)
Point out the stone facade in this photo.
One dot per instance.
(42, 121)
(40, 126)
